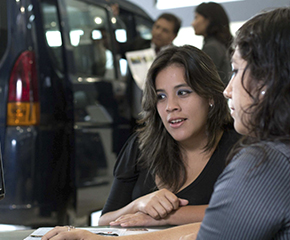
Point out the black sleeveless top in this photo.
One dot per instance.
(131, 182)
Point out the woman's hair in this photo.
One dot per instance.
(219, 26)
(264, 42)
(160, 153)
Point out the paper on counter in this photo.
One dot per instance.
(38, 233)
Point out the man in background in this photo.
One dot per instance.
(164, 31)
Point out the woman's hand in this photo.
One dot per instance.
(136, 219)
(68, 233)
(158, 204)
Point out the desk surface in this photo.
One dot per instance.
(15, 235)
(21, 234)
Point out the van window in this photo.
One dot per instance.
(120, 29)
(143, 27)
(120, 36)
(90, 39)
(138, 26)
(52, 33)
(3, 28)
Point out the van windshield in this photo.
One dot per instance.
(3, 28)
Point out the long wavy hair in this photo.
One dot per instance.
(264, 42)
(219, 26)
(160, 153)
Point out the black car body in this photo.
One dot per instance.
(64, 112)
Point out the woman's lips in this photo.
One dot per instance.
(176, 123)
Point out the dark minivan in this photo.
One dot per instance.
(64, 107)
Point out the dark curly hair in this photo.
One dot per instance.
(264, 42)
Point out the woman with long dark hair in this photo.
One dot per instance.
(180, 149)
(252, 196)
(211, 21)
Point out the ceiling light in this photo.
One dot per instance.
(167, 4)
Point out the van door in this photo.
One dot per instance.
(100, 126)
(90, 35)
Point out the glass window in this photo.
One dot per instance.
(119, 28)
(90, 39)
(3, 27)
(52, 32)
(143, 27)
(120, 36)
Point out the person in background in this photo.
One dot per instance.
(164, 31)
(212, 22)
(252, 195)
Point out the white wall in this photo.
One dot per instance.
(186, 35)
(238, 10)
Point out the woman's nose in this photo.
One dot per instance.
(228, 91)
(172, 105)
(193, 24)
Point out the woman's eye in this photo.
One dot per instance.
(183, 92)
(234, 73)
(160, 96)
